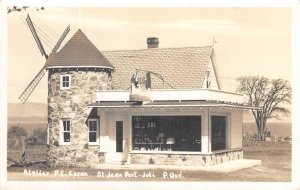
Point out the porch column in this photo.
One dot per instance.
(103, 133)
(205, 131)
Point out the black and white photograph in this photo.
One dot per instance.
(149, 94)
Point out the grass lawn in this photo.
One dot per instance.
(275, 156)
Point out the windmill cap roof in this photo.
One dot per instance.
(79, 51)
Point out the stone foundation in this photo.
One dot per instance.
(70, 157)
(186, 159)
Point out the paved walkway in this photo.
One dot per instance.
(225, 167)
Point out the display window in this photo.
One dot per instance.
(218, 132)
(166, 133)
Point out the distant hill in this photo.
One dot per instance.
(26, 113)
(28, 116)
(280, 128)
(27, 110)
(248, 117)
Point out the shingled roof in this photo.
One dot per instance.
(181, 68)
(79, 51)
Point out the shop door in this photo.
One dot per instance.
(118, 153)
(119, 136)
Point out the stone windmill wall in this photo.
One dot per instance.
(72, 104)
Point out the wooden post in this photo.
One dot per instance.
(23, 155)
(205, 132)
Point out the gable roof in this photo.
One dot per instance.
(181, 68)
(79, 51)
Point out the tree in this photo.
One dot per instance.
(19, 9)
(38, 137)
(270, 95)
(14, 133)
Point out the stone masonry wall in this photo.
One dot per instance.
(72, 104)
(185, 159)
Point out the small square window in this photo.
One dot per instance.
(65, 82)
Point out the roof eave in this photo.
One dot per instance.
(83, 66)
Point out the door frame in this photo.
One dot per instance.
(113, 156)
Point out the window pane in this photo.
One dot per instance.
(66, 125)
(218, 130)
(92, 136)
(65, 84)
(65, 78)
(66, 136)
(92, 125)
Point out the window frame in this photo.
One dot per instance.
(97, 132)
(62, 131)
(61, 82)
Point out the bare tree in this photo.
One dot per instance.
(19, 9)
(270, 95)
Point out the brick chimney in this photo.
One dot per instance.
(152, 42)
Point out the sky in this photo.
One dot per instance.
(249, 41)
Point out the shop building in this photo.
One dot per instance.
(151, 106)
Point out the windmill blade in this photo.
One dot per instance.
(36, 37)
(32, 85)
(61, 39)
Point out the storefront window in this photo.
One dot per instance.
(218, 132)
(166, 133)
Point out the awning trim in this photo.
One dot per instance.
(169, 105)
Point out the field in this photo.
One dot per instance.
(34, 153)
(275, 156)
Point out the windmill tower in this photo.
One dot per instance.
(75, 73)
